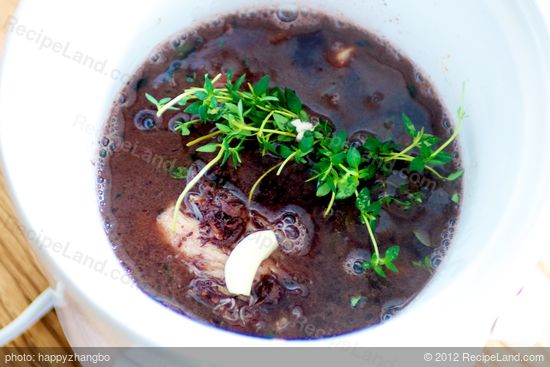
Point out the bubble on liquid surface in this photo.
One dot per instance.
(292, 232)
(157, 58)
(391, 308)
(354, 262)
(292, 285)
(174, 66)
(359, 138)
(339, 24)
(374, 101)
(248, 15)
(180, 117)
(287, 13)
(447, 234)
(176, 43)
(145, 120)
(294, 229)
(436, 258)
(289, 219)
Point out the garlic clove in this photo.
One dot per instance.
(243, 262)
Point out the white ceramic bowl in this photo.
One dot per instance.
(66, 60)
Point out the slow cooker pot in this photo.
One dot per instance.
(65, 61)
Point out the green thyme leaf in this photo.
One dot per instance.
(353, 157)
(292, 101)
(417, 164)
(455, 175)
(323, 190)
(355, 300)
(179, 173)
(338, 141)
(151, 99)
(441, 159)
(208, 148)
(392, 253)
(262, 86)
(409, 126)
(455, 198)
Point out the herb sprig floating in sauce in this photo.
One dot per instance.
(275, 118)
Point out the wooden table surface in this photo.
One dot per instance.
(21, 279)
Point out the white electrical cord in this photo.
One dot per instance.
(36, 310)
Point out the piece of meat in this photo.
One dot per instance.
(206, 258)
(222, 215)
(203, 258)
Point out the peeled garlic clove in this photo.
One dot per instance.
(243, 263)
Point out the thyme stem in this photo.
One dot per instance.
(192, 184)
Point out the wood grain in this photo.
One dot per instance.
(7, 8)
(21, 279)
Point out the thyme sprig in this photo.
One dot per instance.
(275, 119)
